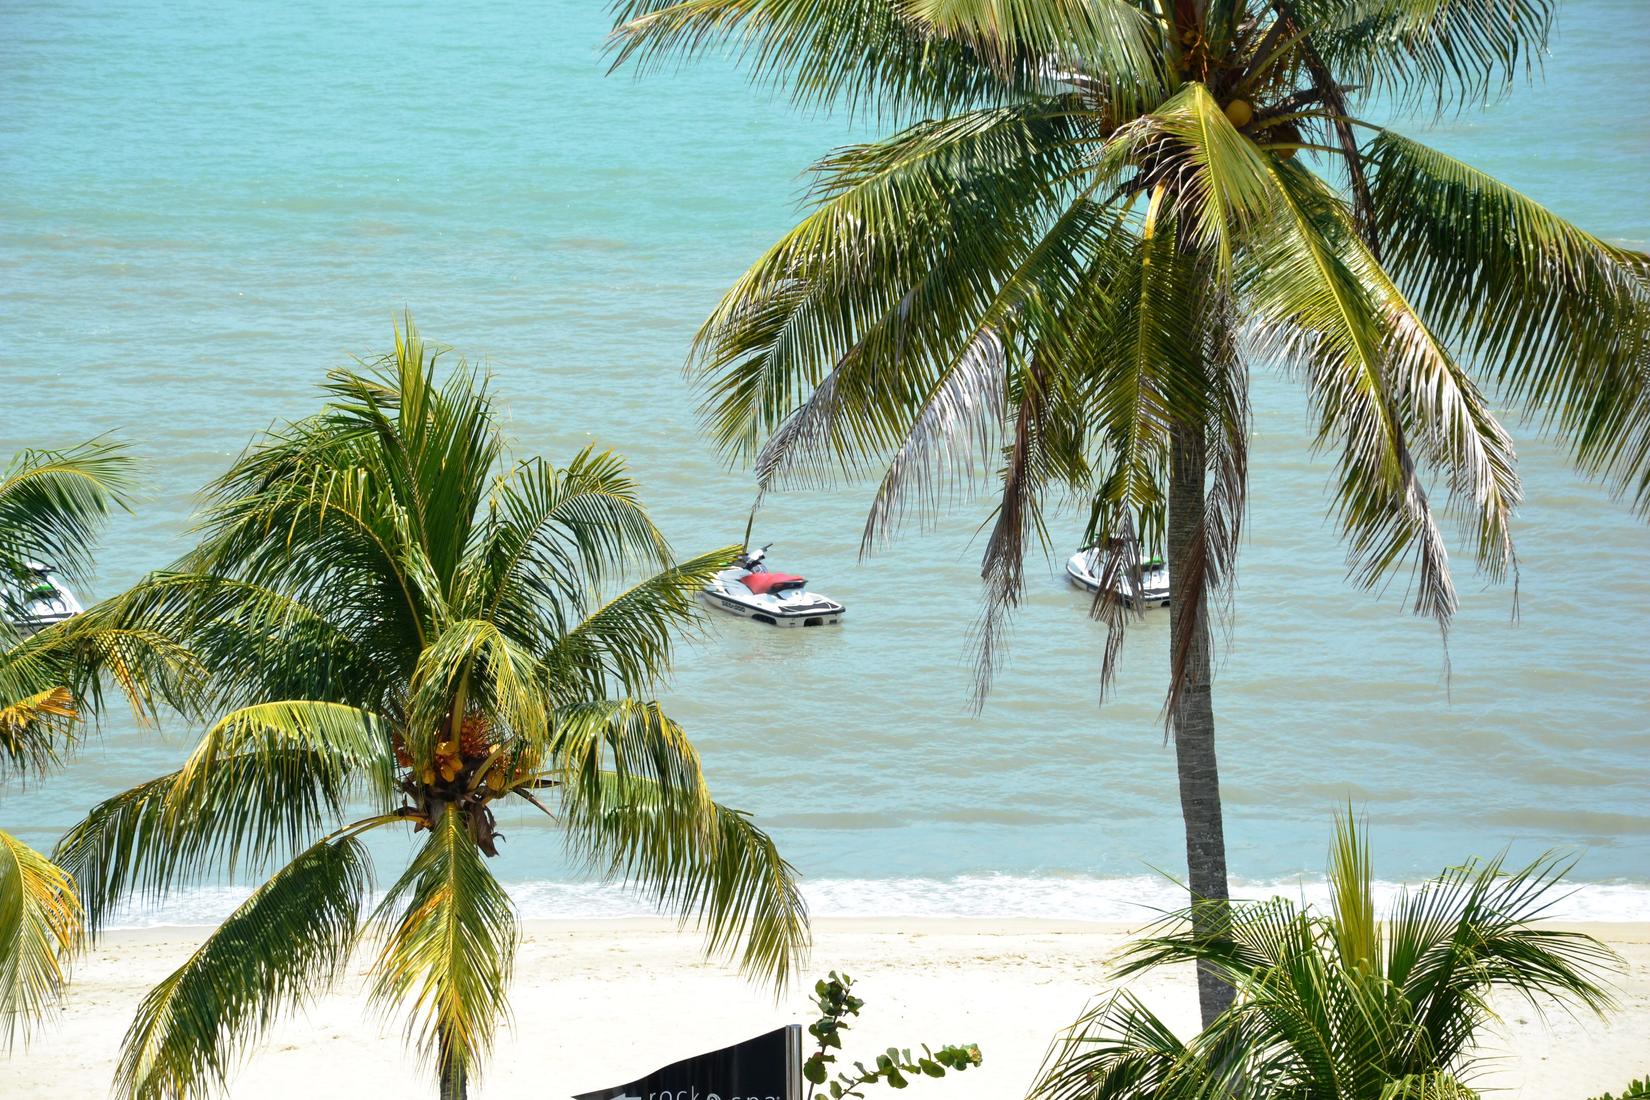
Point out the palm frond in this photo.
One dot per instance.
(706, 862)
(52, 503)
(33, 726)
(287, 942)
(888, 268)
(1470, 931)
(52, 682)
(1560, 318)
(1119, 1050)
(554, 537)
(236, 813)
(593, 745)
(1428, 1086)
(41, 928)
(1352, 905)
(899, 58)
(1449, 53)
(1320, 315)
(449, 947)
(625, 642)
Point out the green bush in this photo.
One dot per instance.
(894, 1067)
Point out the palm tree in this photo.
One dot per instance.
(1339, 1005)
(1060, 278)
(52, 504)
(401, 627)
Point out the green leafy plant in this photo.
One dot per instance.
(1334, 1003)
(401, 626)
(1638, 1090)
(894, 1067)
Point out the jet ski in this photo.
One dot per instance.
(36, 597)
(1084, 569)
(752, 591)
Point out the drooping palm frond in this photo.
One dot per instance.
(899, 58)
(702, 860)
(41, 928)
(1559, 318)
(33, 726)
(624, 739)
(449, 947)
(223, 814)
(287, 942)
(1443, 53)
(52, 503)
(1329, 325)
(1120, 1050)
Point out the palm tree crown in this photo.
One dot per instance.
(392, 612)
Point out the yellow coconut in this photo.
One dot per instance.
(1239, 112)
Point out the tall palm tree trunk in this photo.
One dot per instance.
(1194, 716)
(455, 1084)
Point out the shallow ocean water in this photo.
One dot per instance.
(205, 206)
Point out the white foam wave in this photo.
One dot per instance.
(1076, 898)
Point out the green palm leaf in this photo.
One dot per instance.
(1560, 319)
(52, 503)
(1451, 52)
(629, 637)
(287, 942)
(449, 946)
(40, 929)
(703, 860)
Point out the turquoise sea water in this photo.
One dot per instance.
(204, 206)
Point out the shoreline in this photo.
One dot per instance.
(598, 1002)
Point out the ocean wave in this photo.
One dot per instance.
(1132, 899)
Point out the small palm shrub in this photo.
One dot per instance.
(1338, 1005)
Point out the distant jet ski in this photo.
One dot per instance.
(748, 589)
(36, 597)
(1084, 568)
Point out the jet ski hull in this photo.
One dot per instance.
(1081, 570)
(40, 600)
(797, 609)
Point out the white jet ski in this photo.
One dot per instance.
(36, 597)
(1084, 569)
(751, 591)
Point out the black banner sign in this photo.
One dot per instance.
(768, 1067)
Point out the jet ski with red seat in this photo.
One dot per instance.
(751, 590)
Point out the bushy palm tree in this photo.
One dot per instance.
(1338, 1005)
(400, 628)
(52, 504)
(1061, 277)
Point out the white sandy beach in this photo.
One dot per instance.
(598, 1003)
